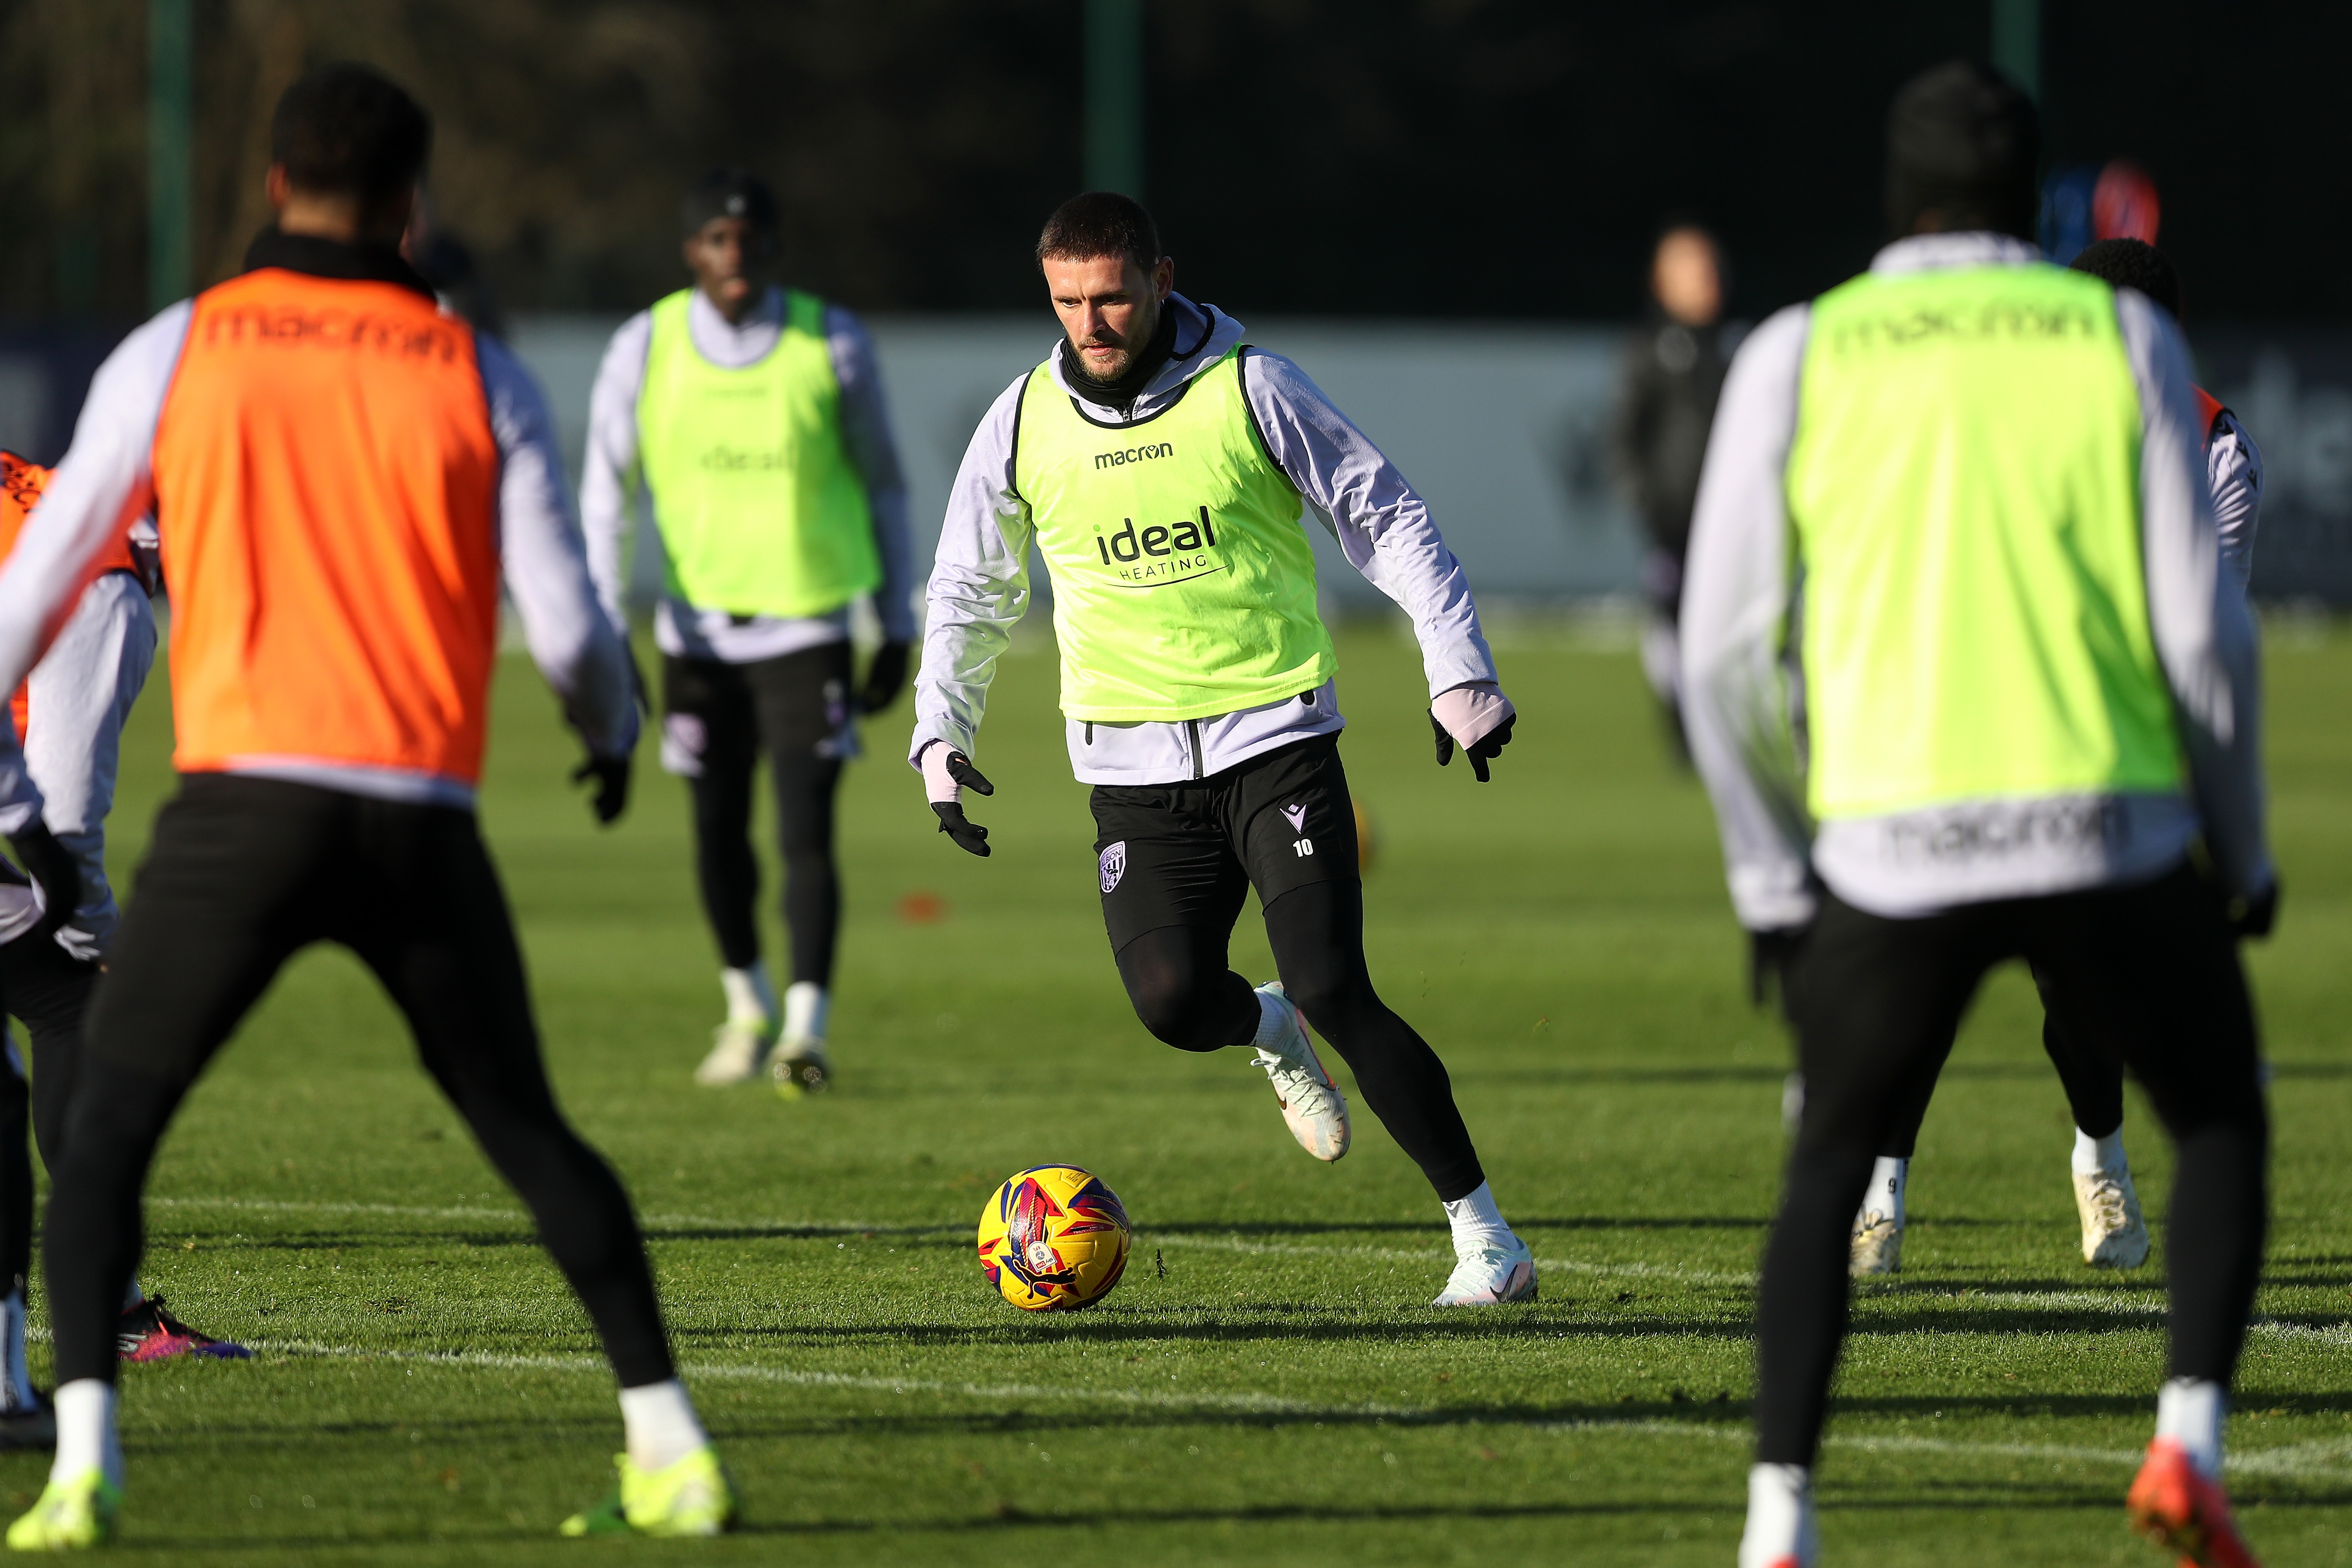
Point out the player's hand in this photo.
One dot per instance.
(1770, 954)
(2253, 917)
(52, 866)
(611, 776)
(886, 677)
(947, 774)
(1480, 752)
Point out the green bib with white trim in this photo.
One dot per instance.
(1183, 582)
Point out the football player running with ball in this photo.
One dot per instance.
(1163, 468)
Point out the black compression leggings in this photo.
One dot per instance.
(728, 873)
(793, 708)
(2154, 980)
(243, 874)
(2094, 1083)
(48, 991)
(1186, 996)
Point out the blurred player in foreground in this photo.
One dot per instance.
(752, 416)
(341, 471)
(2031, 687)
(82, 690)
(2114, 1235)
(1163, 469)
(1672, 376)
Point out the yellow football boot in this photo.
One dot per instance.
(70, 1516)
(690, 1497)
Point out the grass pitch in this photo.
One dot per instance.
(1266, 1385)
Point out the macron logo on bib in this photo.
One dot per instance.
(1135, 454)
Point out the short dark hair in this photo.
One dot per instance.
(1101, 223)
(1964, 140)
(2135, 264)
(731, 193)
(350, 131)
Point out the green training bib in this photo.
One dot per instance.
(760, 511)
(1964, 487)
(1183, 584)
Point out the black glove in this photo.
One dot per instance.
(1769, 955)
(2253, 917)
(52, 865)
(1481, 752)
(969, 835)
(886, 677)
(612, 777)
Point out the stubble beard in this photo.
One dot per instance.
(1138, 332)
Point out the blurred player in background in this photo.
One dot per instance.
(752, 416)
(1665, 402)
(1161, 468)
(2031, 687)
(344, 475)
(2114, 1234)
(70, 713)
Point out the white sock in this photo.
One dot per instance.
(2093, 1154)
(1476, 1222)
(1888, 1178)
(85, 1435)
(16, 1383)
(1273, 1022)
(1780, 1517)
(661, 1423)
(751, 998)
(808, 1008)
(2189, 1410)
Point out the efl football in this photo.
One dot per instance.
(1053, 1238)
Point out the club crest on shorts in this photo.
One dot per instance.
(1114, 864)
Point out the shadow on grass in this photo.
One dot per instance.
(1005, 1516)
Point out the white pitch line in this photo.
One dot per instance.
(1394, 1255)
(1263, 1404)
(512, 1216)
(2134, 1305)
(2322, 1461)
(853, 1227)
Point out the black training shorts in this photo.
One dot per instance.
(1184, 854)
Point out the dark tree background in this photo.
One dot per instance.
(1458, 158)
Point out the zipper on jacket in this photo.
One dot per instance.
(1194, 725)
(1090, 732)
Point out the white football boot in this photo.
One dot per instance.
(1312, 1105)
(1877, 1245)
(739, 1049)
(2114, 1234)
(1489, 1273)
(1781, 1532)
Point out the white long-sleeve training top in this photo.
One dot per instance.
(106, 477)
(1736, 627)
(80, 695)
(2234, 472)
(610, 474)
(979, 581)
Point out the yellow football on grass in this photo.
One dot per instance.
(1053, 1238)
